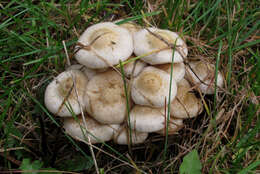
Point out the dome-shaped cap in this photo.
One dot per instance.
(205, 76)
(106, 43)
(151, 87)
(147, 119)
(145, 42)
(121, 136)
(186, 104)
(62, 89)
(105, 98)
(178, 70)
(96, 131)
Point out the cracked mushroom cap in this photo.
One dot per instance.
(178, 70)
(151, 88)
(97, 132)
(145, 42)
(105, 98)
(205, 76)
(137, 67)
(174, 126)
(103, 45)
(147, 119)
(62, 89)
(121, 136)
(186, 104)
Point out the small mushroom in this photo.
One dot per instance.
(178, 70)
(121, 136)
(132, 27)
(174, 126)
(202, 74)
(146, 42)
(96, 131)
(87, 71)
(151, 88)
(147, 119)
(186, 104)
(103, 45)
(60, 95)
(105, 98)
(137, 67)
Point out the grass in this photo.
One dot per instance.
(31, 35)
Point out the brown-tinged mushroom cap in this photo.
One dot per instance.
(137, 66)
(103, 45)
(87, 71)
(146, 42)
(147, 119)
(186, 104)
(132, 27)
(151, 87)
(121, 136)
(178, 70)
(96, 131)
(174, 126)
(203, 74)
(60, 94)
(105, 98)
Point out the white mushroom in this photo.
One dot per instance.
(186, 104)
(132, 27)
(96, 131)
(60, 95)
(137, 67)
(105, 98)
(145, 42)
(151, 88)
(87, 71)
(178, 70)
(202, 74)
(174, 126)
(147, 119)
(122, 136)
(103, 45)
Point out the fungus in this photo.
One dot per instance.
(151, 87)
(146, 42)
(60, 95)
(103, 45)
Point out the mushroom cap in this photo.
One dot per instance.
(132, 27)
(186, 104)
(121, 136)
(106, 44)
(105, 98)
(151, 87)
(178, 70)
(87, 71)
(205, 76)
(145, 42)
(174, 126)
(138, 67)
(147, 119)
(61, 88)
(97, 132)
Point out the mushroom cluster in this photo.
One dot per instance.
(100, 102)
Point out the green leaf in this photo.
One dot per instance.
(191, 163)
(27, 165)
